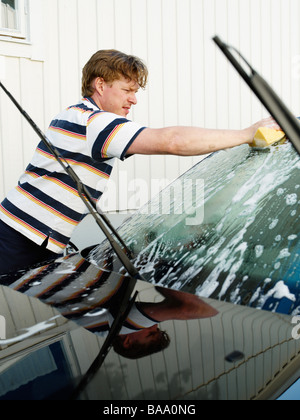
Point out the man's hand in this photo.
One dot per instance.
(266, 122)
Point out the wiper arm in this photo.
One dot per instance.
(279, 111)
(125, 307)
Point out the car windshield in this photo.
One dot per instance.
(227, 229)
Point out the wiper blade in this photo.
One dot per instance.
(125, 307)
(279, 111)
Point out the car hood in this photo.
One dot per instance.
(234, 353)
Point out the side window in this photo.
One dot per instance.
(13, 18)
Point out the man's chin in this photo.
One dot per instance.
(125, 112)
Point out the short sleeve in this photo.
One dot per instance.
(110, 136)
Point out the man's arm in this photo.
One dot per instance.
(193, 141)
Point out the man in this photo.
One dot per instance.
(175, 306)
(38, 217)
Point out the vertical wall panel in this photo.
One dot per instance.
(209, 64)
(294, 65)
(123, 26)
(52, 74)
(12, 124)
(67, 56)
(245, 47)
(105, 24)
(221, 67)
(32, 100)
(234, 82)
(87, 29)
(256, 51)
(191, 83)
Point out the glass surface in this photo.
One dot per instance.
(246, 249)
(40, 375)
(292, 394)
(9, 14)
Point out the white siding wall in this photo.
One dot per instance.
(190, 83)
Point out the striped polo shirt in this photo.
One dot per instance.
(46, 204)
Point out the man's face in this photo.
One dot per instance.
(119, 96)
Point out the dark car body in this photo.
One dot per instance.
(239, 257)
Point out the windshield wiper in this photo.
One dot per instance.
(279, 111)
(125, 307)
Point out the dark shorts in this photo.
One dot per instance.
(18, 252)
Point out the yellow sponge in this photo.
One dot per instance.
(265, 137)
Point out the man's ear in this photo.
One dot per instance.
(99, 85)
(127, 342)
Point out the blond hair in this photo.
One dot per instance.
(111, 65)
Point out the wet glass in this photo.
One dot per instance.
(237, 241)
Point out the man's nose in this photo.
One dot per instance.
(133, 99)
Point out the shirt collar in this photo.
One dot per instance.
(89, 99)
